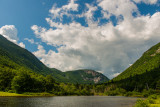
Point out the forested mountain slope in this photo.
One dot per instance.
(86, 76)
(143, 74)
(149, 61)
(10, 52)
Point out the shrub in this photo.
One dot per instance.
(151, 101)
(145, 93)
(154, 96)
(11, 91)
(142, 103)
(129, 94)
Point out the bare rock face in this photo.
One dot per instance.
(86, 76)
(92, 76)
(97, 79)
(157, 52)
(93, 73)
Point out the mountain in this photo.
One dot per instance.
(149, 61)
(145, 72)
(13, 57)
(86, 76)
(21, 56)
(83, 76)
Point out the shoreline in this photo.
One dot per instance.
(7, 94)
(27, 94)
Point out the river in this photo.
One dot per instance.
(68, 101)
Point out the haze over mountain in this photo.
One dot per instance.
(14, 57)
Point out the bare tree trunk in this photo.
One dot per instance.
(147, 86)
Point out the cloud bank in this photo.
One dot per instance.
(107, 48)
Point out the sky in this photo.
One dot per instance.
(104, 35)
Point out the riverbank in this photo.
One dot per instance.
(7, 94)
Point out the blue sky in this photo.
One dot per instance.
(23, 14)
(104, 35)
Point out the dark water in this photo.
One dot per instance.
(68, 101)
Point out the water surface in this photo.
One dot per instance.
(68, 101)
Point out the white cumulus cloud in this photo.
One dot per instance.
(60, 12)
(21, 44)
(105, 48)
(146, 1)
(117, 7)
(10, 32)
(29, 40)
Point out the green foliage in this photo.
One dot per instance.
(147, 102)
(145, 93)
(49, 83)
(117, 91)
(142, 103)
(5, 79)
(22, 82)
(74, 89)
(10, 52)
(29, 82)
(100, 88)
(154, 96)
(84, 77)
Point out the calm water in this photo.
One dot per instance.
(68, 101)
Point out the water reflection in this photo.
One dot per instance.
(68, 101)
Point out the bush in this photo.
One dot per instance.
(117, 91)
(133, 93)
(151, 91)
(151, 101)
(142, 103)
(129, 94)
(154, 96)
(145, 93)
(112, 93)
(11, 91)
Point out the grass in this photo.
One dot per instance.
(3, 94)
(7, 94)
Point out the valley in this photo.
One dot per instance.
(21, 72)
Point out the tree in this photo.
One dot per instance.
(6, 77)
(22, 83)
(49, 83)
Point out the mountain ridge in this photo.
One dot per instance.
(144, 74)
(12, 54)
(148, 61)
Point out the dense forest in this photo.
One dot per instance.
(25, 81)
